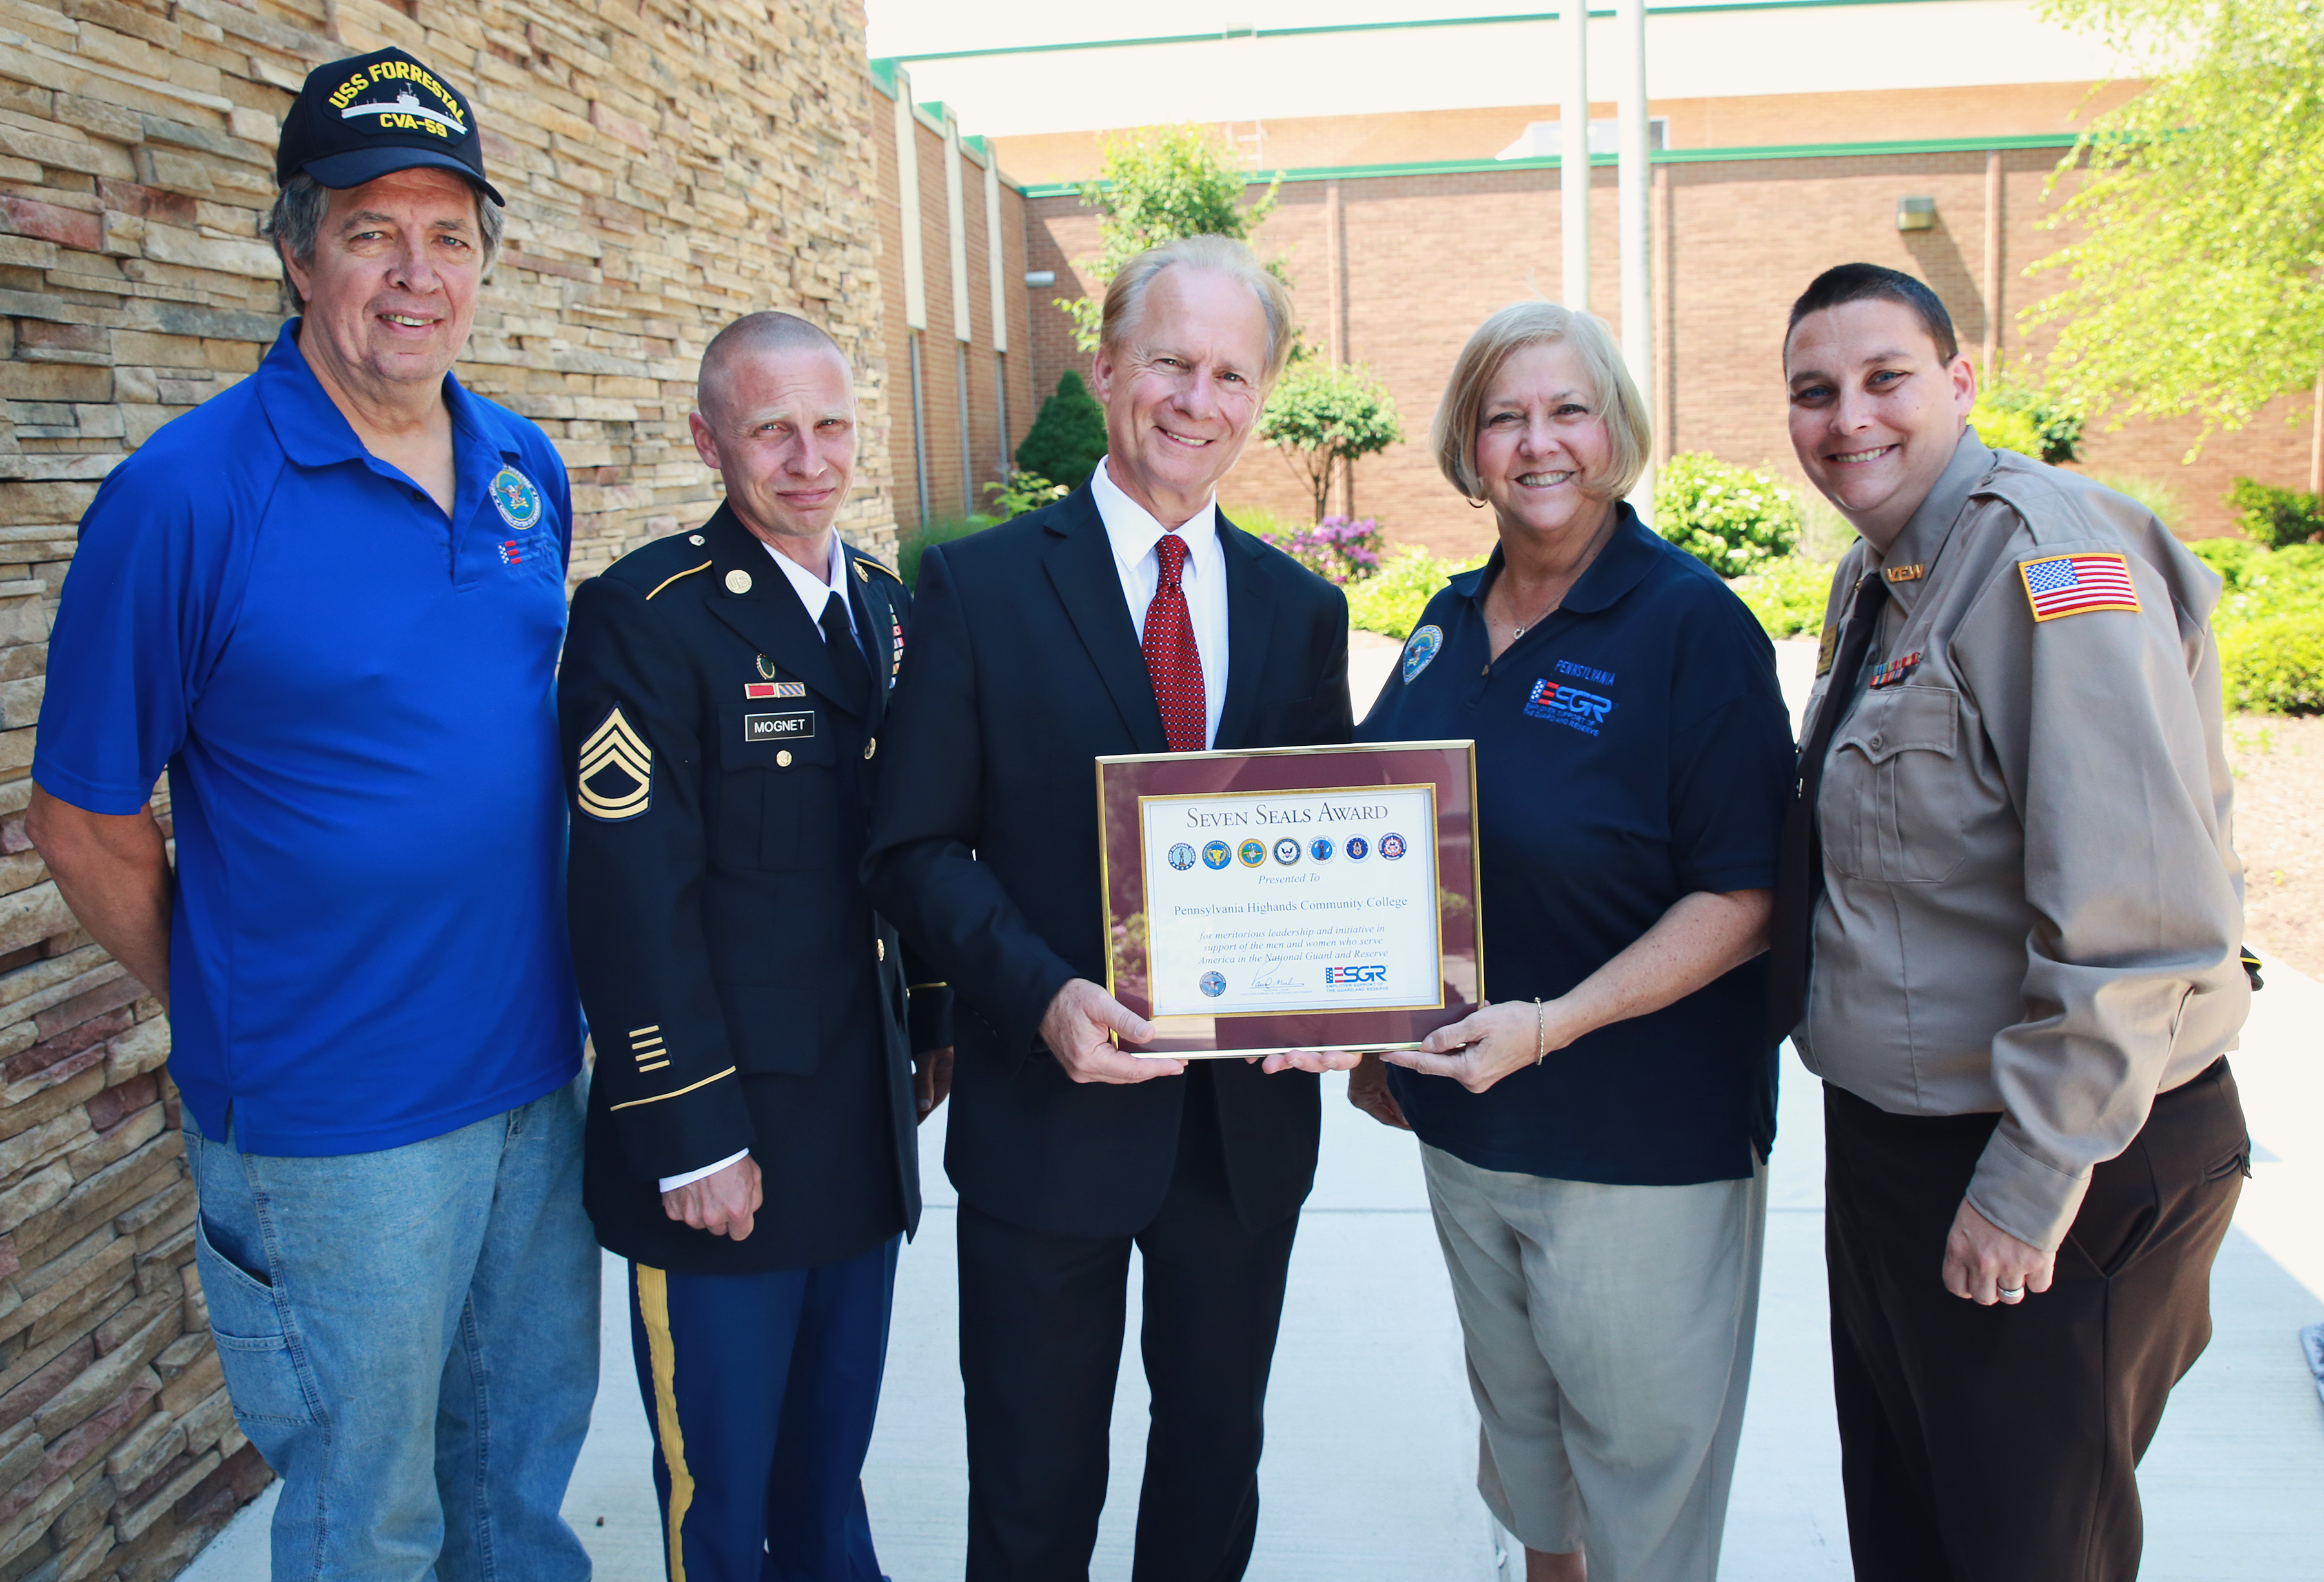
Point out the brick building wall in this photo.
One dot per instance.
(1427, 254)
(668, 167)
(970, 391)
(1732, 121)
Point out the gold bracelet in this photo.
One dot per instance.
(1540, 1035)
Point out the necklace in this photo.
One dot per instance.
(1546, 611)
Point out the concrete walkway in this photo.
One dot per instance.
(1368, 1474)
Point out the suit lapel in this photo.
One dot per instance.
(1080, 564)
(875, 617)
(1250, 621)
(768, 613)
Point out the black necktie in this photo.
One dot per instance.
(1799, 869)
(846, 654)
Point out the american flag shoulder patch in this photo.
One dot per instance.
(2075, 585)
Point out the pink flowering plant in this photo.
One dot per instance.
(1338, 548)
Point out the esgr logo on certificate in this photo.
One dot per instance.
(1300, 920)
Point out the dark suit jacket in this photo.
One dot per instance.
(1025, 667)
(740, 990)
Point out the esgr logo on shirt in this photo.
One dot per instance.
(1568, 704)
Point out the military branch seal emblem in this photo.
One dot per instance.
(515, 498)
(614, 779)
(1421, 648)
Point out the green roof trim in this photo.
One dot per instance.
(1661, 156)
(1317, 30)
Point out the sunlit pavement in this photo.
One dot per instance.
(1372, 1445)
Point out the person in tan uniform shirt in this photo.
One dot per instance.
(2008, 939)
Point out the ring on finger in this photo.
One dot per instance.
(2010, 1293)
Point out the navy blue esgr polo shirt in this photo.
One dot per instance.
(355, 697)
(1632, 748)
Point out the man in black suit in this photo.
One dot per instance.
(1026, 665)
(750, 1143)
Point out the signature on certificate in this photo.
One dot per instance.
(1275, 973)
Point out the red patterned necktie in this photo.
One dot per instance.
(1172, 660)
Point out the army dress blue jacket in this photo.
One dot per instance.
(740, 989)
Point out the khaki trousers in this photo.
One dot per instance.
(1609, 1336)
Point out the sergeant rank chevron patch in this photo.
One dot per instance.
(615, 777)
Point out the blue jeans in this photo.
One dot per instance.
(410, 1338)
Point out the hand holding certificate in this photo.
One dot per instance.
(1265, 901)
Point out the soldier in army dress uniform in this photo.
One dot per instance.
(750, 1130)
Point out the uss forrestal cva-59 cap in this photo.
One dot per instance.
(357, 120)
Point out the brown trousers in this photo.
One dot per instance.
(2001, 1444)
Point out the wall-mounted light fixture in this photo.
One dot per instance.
(1035, 279)
(1916, 214)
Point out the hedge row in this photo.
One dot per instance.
(2270, 621)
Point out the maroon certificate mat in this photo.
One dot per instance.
(1292, 898)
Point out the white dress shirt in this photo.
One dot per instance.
(1133, 533)
(814, 594)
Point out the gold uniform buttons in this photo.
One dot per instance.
(738, 581)
(881, 948)
(871, 745)
(783, 759)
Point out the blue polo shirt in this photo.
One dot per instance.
(1632, 748)
(355, 697)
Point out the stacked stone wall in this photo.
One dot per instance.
(668, 166)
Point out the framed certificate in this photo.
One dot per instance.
(1292, 898)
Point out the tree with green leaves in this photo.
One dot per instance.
(1067, 438)
(1156, 184)
(1320, 417)
(2196, 286)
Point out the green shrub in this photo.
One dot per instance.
(1023, 492)
(939, 529)
(1390, 600)
(1068, 434)
(2160, 498)
(1733, 519)
(1824, 534)
(1788, 596)
(2274, 665)
(2057, 427)
(1260, 523)
(2276, 517)
(2230, 557)
(2269, 625)
(2005, 430)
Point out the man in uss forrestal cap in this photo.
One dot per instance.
(329, 603)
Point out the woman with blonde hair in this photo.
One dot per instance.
(1595, 1141)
